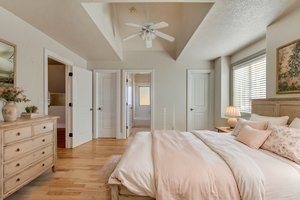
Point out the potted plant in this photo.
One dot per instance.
(28, 109)
(11, 95)
(34, 109)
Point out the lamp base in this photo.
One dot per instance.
(232, 122)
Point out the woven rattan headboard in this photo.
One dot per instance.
(277, 107)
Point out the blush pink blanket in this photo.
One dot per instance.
(181, 172)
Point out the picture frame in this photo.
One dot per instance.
(288, 68)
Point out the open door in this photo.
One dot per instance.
(82, 106)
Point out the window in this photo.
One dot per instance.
(249, 82)
(144, 95)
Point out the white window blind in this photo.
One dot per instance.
(249, 82)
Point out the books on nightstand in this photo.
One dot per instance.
(26, 115)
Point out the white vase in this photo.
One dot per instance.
(10, 111)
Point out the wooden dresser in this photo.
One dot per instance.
(28, 149)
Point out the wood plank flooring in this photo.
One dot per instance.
(77, 176)
(61, 137)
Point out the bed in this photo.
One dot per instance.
(134, 177)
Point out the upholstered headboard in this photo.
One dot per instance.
(277, 107)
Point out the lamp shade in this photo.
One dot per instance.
(232, 111)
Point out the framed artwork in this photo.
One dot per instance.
(288, 68)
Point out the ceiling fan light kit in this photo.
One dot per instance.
(149, 31)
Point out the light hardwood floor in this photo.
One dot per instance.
(77, 176)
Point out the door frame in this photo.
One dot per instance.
(136, 71)
(211, 95)
(68, 64)
(96, 98)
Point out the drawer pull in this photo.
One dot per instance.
(18, 134)
(43, 140)
(18, 149)
(18, 179)
(43, 165)
(44, 127)
(18, 164)
(43, 152)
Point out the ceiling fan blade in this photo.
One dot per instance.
(160, 25)
(132, 36)
(148, 42)
(164, 36)
(134, 25)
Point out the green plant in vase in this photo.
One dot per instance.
(34, 109)
(11, 96)
(28, 109)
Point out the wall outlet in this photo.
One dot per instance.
(41, 101)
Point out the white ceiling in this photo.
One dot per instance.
(229, 25)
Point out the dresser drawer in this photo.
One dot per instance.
(19, 149)
(42, 153)
(15, 150)
(26, 175)
(17, 134)
(42, 141)
(42, 128)
(17, 165)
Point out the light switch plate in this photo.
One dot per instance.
(41, 101)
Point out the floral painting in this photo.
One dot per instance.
(288, 68)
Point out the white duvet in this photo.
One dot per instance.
(279, 177)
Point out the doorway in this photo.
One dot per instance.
(137, 101)
(200, 100)
(57, 98)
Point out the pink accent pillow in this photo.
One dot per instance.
(252, 137)
(253, 124)
(284, 141)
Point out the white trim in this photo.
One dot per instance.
(211, 95)
(136, 71)
(54, 56)
(140, 118)
(95, 101)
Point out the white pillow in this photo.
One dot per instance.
(295, 123)
(279, 121)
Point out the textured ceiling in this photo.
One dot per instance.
(168, 12)
(229, 26)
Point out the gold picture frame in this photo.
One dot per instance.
(288, 68)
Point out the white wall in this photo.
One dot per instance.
(30, 57)
(142, 113)
(280, 33)
(222, 89)
(58, 111)
(250, 50)
(169, 81)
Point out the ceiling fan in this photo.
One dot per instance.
(149, 31)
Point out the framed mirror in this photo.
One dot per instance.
(8, 53)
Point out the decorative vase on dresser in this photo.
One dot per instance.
(28, 149)
(10, 111)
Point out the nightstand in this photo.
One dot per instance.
(224, 129)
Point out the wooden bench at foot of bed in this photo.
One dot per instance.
(120, 192)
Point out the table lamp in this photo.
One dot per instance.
(232, 112)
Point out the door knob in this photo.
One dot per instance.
(91, 109)
(192, 109)
(99, 108)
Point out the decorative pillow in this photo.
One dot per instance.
(252, 124)
(252, 137)
(284, 141)
(295, 123)
(279, 121)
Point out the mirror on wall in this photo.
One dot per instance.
(7, 63)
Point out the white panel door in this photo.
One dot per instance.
(107, 104)
(198, 101)
(82, 106)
